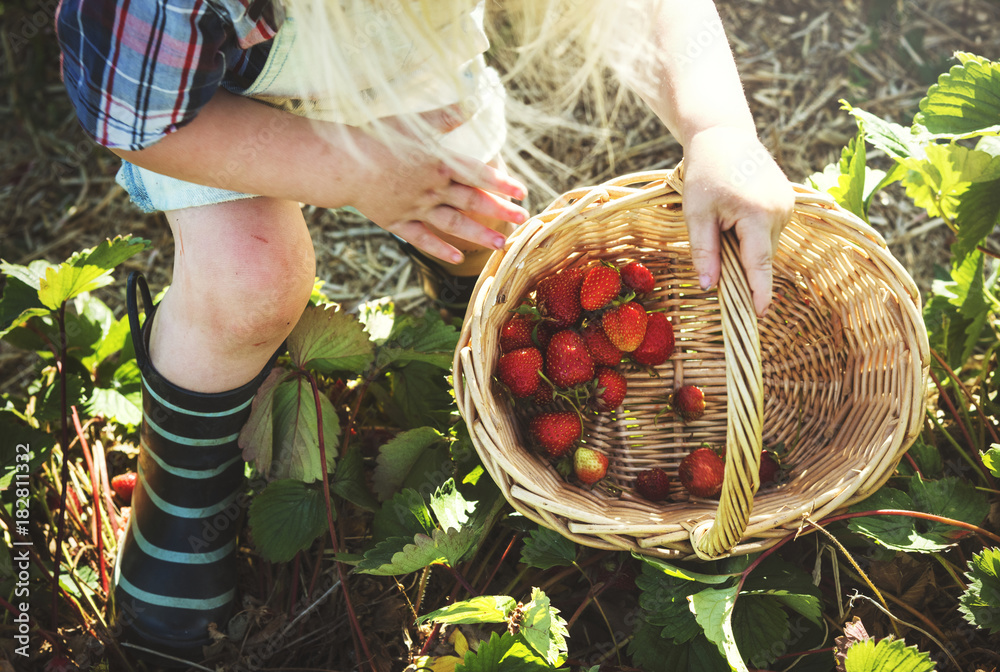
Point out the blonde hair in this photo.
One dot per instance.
(554, 55)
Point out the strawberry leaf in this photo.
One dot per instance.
(399, 555)
(328, 340)
(886, 656)
(760, 628)
(965, 101)
(110, 253)
(296, 432)
(285, 518)
(664, 603)
(482, 609)
(713, 609)
(19, 303)
(122, 402)
(424, 339)
(899, 142)
(64, 282)
(980, 603)
(349, 481)
(977, 213)
(654, 651)
(545, 549)
(397, 457)
(256, 438)
(543, 628)
(405, 515)
(938, 182)
(681, 573)
(503, 653)
(450, 508)
(991, 459)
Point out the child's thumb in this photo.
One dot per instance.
(445, 119)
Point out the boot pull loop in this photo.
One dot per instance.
(132, 308)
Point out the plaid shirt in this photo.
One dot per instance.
(137, 70)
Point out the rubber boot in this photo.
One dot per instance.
(176, 567)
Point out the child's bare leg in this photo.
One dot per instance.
(243, 273)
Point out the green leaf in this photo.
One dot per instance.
(808, 606)
(937, 182)
(713, 609)
(450, 508)
(965, 101)
(947, 497)
(122, 401)
(977, 214)
(899, 142)
(482, 609)
(652, 651)
(17, 432)
(378, 317)
(286, 517)
(545, 549)
(30, 275)
(328, 340)
(398, 456)
(65, 282)
(399, 555)
(256, 438)
(543, 628)
(19, 303)
(681, 573)
(110, 253)
(787, 583)
(760, 628)
(349, 481)
(850, 189)
(405, 515)
(886, 656)
(980, 603)
(296, 432)
(421, 395)
(664, 600)
(927, 457)
(991, 459)
(424, 339)
(503, 653)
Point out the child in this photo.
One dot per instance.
(385, 105)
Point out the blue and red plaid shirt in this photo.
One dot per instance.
(137, 70)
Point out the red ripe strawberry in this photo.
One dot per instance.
(590, 466)
(123, 485)
(567, 362)
(601, 349)
(638, 278)
(689, 402)
(600, 285)
(625, 326)
(519, 369)
(658, 343)
(769, 467)
(544, 394)
(556, 432)
(558, 297)
(701, 473)
(611, 387)
(653, 484)
(516, 333)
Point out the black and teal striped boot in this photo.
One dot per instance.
(176, 567)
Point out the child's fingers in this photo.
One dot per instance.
(703, 232)
(756, 253)
(483, 176)
(479, 202)
(460, 225)
(417, 234)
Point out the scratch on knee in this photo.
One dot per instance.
(260, 238)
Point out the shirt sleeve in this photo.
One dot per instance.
(138, 70)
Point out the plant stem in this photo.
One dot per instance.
(99, 537)
(968, 395)
(954, 444)
(64, 440)
(496, 568)
(359, 637)
(915, 514)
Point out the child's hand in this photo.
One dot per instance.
(418, 197)
(730, 180)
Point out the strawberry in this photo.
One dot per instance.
(653, 484)
(769, 467)
(638, 278)
(590, 466)
(625, 326)
(611, 387)
(544, 395)
(601, 284)
(689, 402)
(519, 369)
(701, 473)
(558, 297)
(602, 350)
(556, 432)
(123, 485)
(567, 362)
(658, 343)
(516, 333)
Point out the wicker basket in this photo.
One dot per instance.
(835, 371)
